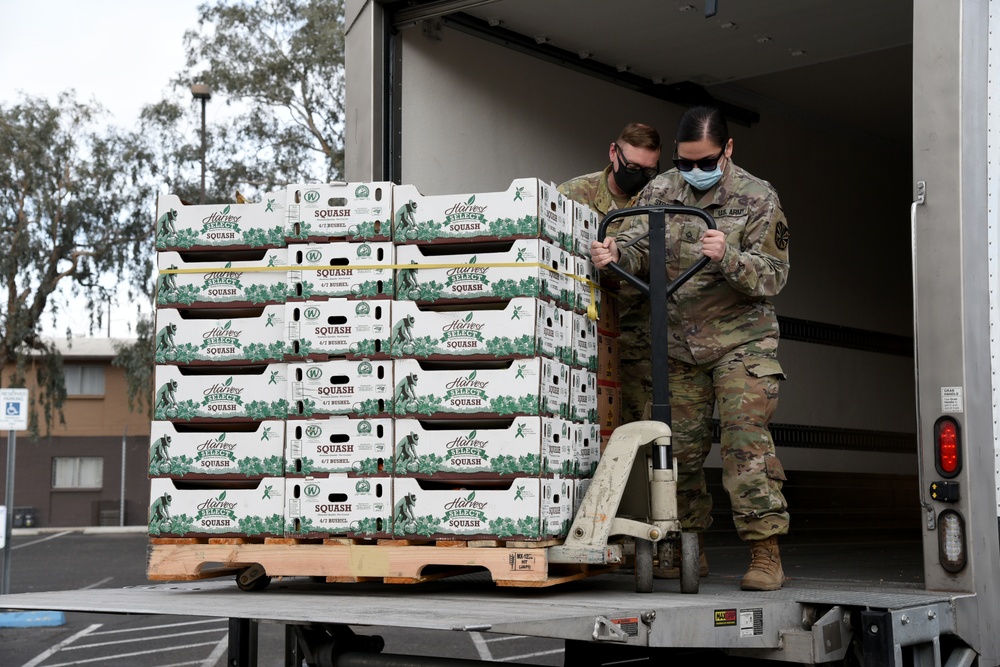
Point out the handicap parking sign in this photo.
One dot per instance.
(14, 413)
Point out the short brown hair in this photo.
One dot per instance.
(640, 135)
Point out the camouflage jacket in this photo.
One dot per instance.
(726, 304)
(592, 190)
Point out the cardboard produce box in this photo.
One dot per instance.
(218, 336)
(584, 342)
(609, 414)
(339, 505)
(234, 393)
(586, 222)
(223, 509)
(586, 288)
(491, 449)
(339, 445)
(216, 279)
(338, 328)
(181, 226)
(524, 508)
(520, 327)
(608, 360)
(586, 449)
(529, 209)
(357, 388)
(535, 386)
(244, 451)
(607, 322)
(352, 211)
(341, 269)
(580, 487)
(583, 395)
(484, 272)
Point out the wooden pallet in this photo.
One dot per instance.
(342, 560)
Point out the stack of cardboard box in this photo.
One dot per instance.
(327, 368)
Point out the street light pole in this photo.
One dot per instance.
(203, 92)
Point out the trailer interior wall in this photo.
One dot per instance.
(476, 115)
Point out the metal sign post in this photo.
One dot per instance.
(14, 418)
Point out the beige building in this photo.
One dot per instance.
(73, 475)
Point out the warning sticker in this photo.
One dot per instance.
(951, 399)
(751, 622)
(629, 626)
(724, 617)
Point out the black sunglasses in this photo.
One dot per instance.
(705, 163)
(633, 168)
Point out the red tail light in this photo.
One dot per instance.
(947, 447)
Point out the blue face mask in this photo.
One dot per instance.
(702, 180)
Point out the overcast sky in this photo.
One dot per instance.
(121, 53)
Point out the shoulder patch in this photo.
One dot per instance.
(730, 212)
(781, 235)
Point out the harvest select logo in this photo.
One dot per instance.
(467, 392)
(467, 450)
(467, 278)
(466, 217)
(223, 397)
(465, 512)
(221, 339)
(223, 283)
(216, 453)
(221, 225)
(462, 333)
(216, 512)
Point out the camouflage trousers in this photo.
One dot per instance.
(744, 386)
(635, 368)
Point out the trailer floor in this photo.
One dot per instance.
(871, 575)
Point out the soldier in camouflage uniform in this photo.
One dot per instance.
(723, 332)
(635, 160)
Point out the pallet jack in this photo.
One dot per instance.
(598, 521)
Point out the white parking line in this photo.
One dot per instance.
(481, 647)
(159, 627)
(503, 639)
(44, 539)
(69, 640)
(522, 657)
(143, 639)
(219, 651)
(96, 584)
(129, 655)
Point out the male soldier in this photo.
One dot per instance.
(723, 333)
(635, 160)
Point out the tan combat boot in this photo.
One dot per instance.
(765, 573)
(673, 570)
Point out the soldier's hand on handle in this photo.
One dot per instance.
(604, 252)
(713, 245)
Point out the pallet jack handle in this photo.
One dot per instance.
(657, 233)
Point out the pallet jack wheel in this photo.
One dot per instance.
(643, 566)
(690, 561)
(253, 579)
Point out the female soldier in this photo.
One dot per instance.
(723, 333)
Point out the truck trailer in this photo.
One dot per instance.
(877, 125)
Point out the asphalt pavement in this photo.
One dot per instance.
(88, 558)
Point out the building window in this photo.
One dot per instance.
(84, 380)
(77, 472)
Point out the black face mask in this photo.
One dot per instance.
(628, 182)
